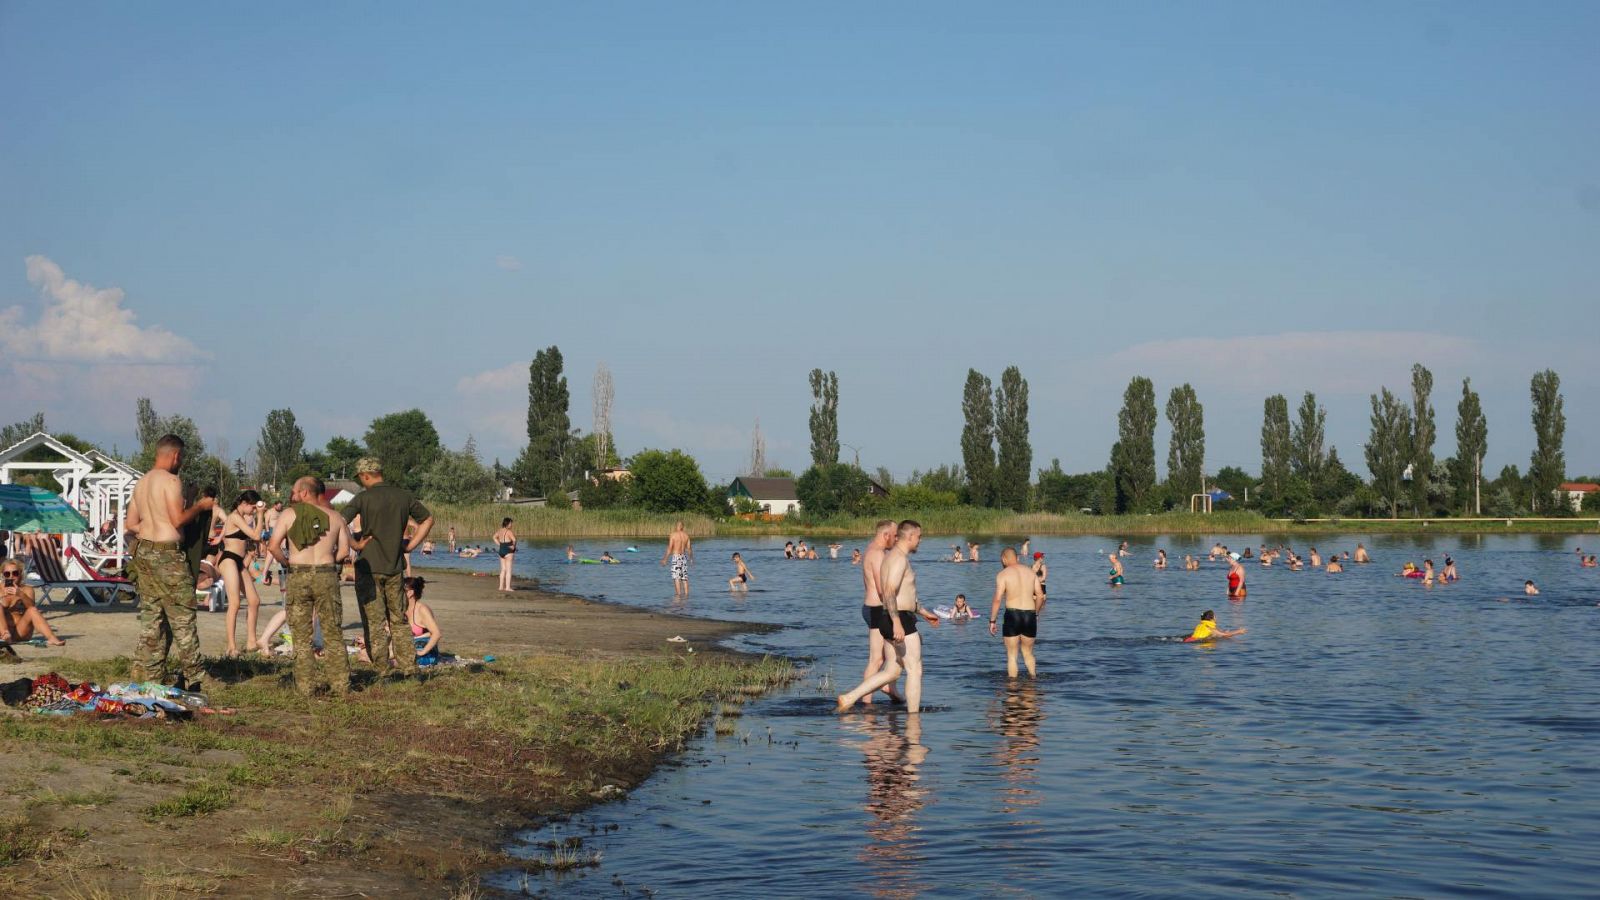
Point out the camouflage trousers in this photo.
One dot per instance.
(382, 599)
(166, 614)
(314, 591)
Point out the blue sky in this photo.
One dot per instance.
(355, 209)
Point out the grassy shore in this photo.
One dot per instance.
(479, 522)
(402, 789)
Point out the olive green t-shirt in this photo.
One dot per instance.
(384, 509)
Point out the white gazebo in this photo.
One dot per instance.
(92, 483)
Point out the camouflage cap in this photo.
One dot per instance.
(369, 465)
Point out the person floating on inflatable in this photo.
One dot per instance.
(1207, 630)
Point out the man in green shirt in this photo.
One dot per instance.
(384, 511)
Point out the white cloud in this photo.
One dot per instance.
(83, 359)
(1331, 361)
(82, 323)
(504, 378)
(508, 263)
(493, 406)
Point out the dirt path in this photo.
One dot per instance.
(224, 807)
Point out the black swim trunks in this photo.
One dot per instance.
(1021, 623)
(908, 624)
(868, 615)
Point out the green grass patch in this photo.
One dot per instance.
(201, 799)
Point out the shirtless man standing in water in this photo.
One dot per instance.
(897, 586)
(1018, 586)
(878, 650)
(681, 552)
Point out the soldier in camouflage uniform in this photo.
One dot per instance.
(318, 541)
(166, 590)
(385, 510)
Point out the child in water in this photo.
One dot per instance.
(962, 610)
(1207, 630)
(741, 576)
(1529, 589)
(606, 557)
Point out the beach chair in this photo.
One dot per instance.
(50, 568)
(79, 567)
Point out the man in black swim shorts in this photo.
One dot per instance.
(1018, 586)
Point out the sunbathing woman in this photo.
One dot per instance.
(420, 617)
(19, 617)
(238, 531)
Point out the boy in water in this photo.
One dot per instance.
(1529, 589)
(741, 575)
(1207, 630)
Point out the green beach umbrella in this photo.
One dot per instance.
(24, 508)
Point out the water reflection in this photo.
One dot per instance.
(893, 754)
(1016, 715)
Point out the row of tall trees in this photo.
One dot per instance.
(995, 447)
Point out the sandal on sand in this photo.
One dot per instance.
(677, 639)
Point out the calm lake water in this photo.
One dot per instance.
(1368, 734)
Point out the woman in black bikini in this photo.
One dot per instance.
(238, 532)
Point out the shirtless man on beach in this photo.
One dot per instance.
(680, 550)
(897, 585)
(318, 540)
(166, 589)
(878, 650)
(1018, 587)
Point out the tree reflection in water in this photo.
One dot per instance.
(892, 752)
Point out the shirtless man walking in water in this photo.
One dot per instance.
(897, 586)
(878, 650)
(166, 589)
(1018, 587)
(681, 552)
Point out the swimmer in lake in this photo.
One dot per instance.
(1235, 578)
(572, 555)
(855, 557)
(1427, 572)
(972, 551)
(1161, 559)
(606, 557)
(1589, 562)
(1019, 588)
(741, 575)
(833, 550)
(1361, 555)
(1115, 578)
(1040, 570)
(788, 549)
(1529, 589)
(1449, 574)
(1333, 567)
(1123, 550)
(1217, 550)
(1190, 564)
(955, 554)
(1316, 559)
(1207, 630)
(961, 609)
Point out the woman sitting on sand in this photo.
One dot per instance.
(420, 616)
(19, 617)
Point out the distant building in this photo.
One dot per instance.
(773, 495)
(340, 491)
(875, 489)
(1575, 492)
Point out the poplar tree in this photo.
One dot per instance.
(824, 418)
(1423, 434)
(1186, 453)
(1012, 472)
(977, 439)
(1276, 445)
(1388, 447)
(1136, 433)
(1472, 440)
(1310, 434)
(539, 469)
(1548, 466)
(280, 447)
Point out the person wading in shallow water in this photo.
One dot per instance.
(897, 585)
(1017, 586)
(680, 552)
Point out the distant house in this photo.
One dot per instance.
(1575, 492)
(875, 489)
(774, 495)
(340, 491)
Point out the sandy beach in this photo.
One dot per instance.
(88, 808)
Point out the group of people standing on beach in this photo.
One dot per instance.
(309, 539)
